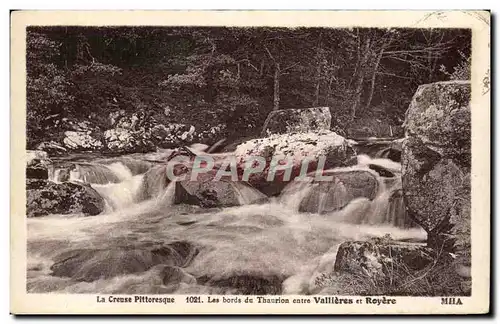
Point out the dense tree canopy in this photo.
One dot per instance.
(203, 76)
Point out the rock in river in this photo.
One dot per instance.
(326, 146)
(206, 192)
(37, 165)
(46, 197)
(96, 263)
(377, 257)
(297, 120)
(437, 164)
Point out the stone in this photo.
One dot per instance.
(174, 135)
(439, 114)
(247, 284)
(82, 141)
(34, 157)
(45, 197)
(436, 162)
(38, 171)
(131, 121)
(122, 140)
(377, 258)
(207, 193)
(90, 264)
(160, 132)
(114, 116)
(313, 146)
(52, 147)
(297, 120)
(80, 126)
(37, 164)
(211, 135)
(141, 133)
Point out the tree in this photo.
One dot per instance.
(47, 86)
(205, 76)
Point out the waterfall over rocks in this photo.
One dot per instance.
(153, 235)
(295, 159)
(360, 194)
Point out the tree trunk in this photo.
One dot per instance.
(358, 89)
(374, 76)
(329, 92)
(209, 93)
(276, 87)
(318, 71)
(318, 83)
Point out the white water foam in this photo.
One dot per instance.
(122, 172)
(269, 239)
(120, 195)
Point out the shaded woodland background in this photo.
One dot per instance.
(234, 76)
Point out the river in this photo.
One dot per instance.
(153, 246)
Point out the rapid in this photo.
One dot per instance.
(144, 243)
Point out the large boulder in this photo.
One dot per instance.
(115, 116)
(313, 146)
(122, 140)
(81, 141)
(84, 126)
(167, 136)
(32, 155)
(90, 264)
(37, 171)
(297, 120)
(45, 197)
(52, 147)
(206, 192)
(382, 266)
(129, 132)
(211, 135)
(37, 165)
(436, 165)
(377, 258)
(140, 132)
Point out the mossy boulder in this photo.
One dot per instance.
(436, 164)
(45, 197)
(297, 120)
(320, 147)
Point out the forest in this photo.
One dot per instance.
(367, 192)
(206, 76)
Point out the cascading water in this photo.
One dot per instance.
(144, 243)
(246, 195)
(120, 195)
(93, 173)
(373, 202)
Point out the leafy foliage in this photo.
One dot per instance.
(461, 71)
(206, 76)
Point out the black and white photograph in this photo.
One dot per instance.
(264, 161)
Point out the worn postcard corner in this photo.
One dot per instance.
(250, 162)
